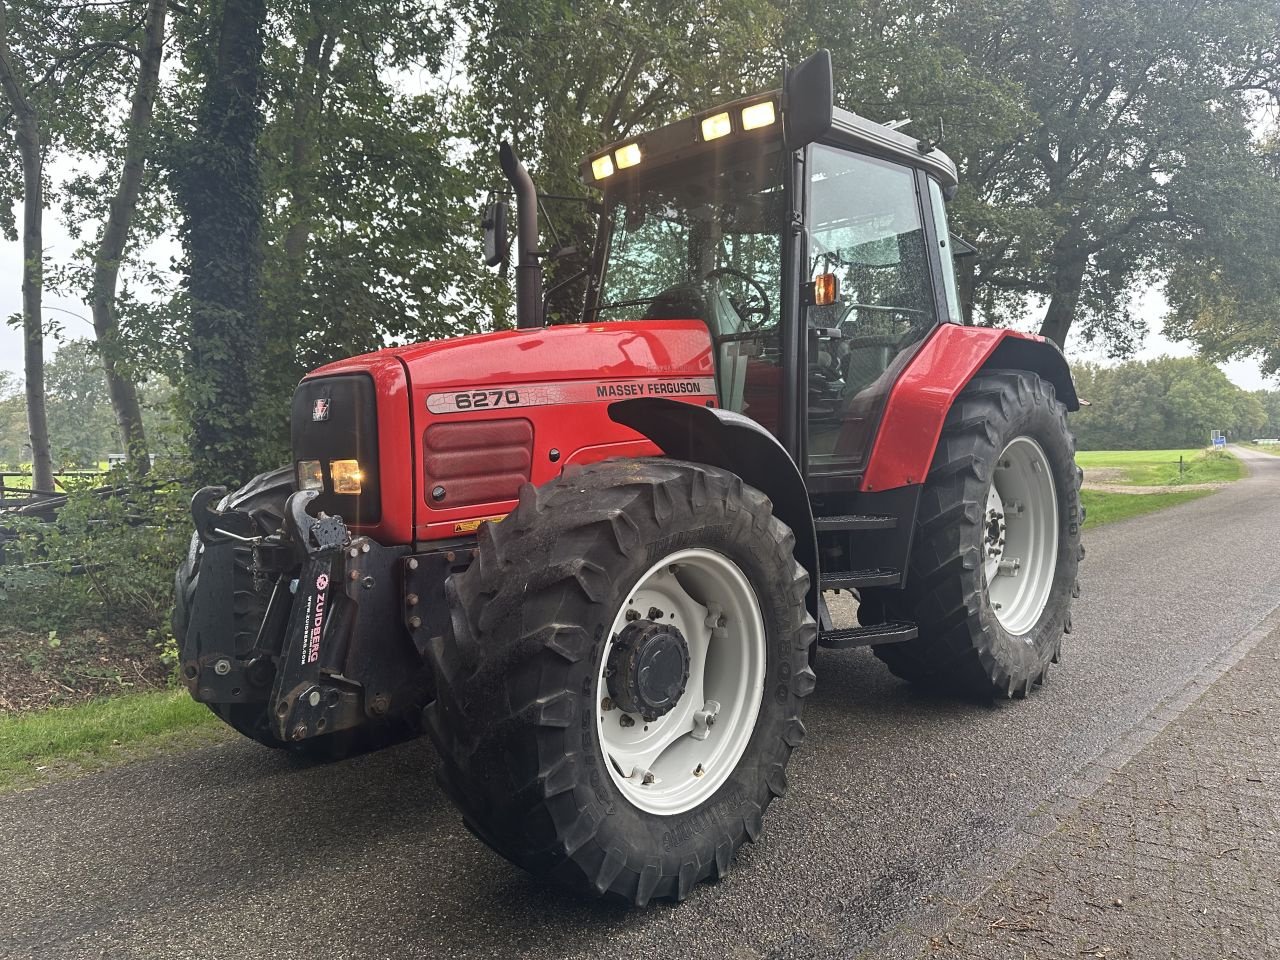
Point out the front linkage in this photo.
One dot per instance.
(331, 653)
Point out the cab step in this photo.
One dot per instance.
(855, 521)
(852, 579)
(895, 631)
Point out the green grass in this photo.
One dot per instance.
(1154, 468)
(1103, 507)
(1271, 448)
(35, 746)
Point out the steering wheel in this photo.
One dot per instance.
(755, 310)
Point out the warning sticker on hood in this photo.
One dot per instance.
(584, 391)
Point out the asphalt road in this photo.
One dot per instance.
(235, 851)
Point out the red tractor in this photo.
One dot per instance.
(591, 558)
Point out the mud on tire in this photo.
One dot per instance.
(515, 717)
(962, 647)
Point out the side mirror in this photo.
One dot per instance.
(961, 248)
(808, 100)
(496, 240)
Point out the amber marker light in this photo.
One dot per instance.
(758, 115)
(826, 289)
(346, 476)
(627, 156)
(602, 167)
(713, 128)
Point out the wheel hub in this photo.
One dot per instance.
(648, 668)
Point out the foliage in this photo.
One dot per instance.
(1164, 403)
(81, 424)
(217, 180)
(104, 560)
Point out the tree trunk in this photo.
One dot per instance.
(115, 234)
(1067, 280)
(32, 259)
(220, 190)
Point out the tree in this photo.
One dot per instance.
(1169, 402)
(370, 234)
(16, 86)
(218, 185)
(1084, 134)
(1224, 292)
(115, 234)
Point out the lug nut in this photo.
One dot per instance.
(626, 720)
(606, 704)
(655, 613)
(411, 600)
(415, 622)
(633, 614)
(222, 667)
(313, 698)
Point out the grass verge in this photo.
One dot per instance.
(1271, 448)
(1155, 468)
(46, 744)
(1103, 507)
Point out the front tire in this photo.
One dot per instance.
(993, 567)
(545, 665)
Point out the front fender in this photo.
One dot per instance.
(722, 438)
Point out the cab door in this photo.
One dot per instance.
(871, 224)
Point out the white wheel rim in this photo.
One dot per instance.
(674, 763)
(1020, 536)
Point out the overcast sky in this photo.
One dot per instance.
(74, 318)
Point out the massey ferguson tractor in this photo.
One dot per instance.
(590, 559)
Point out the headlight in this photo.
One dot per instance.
(758, 115)
(346, 475)
(713, 128)
(627, 156)
(310, 476)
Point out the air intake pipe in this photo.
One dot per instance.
(528, 266)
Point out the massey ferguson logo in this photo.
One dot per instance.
(320, 409)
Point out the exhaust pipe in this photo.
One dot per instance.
(528, 266)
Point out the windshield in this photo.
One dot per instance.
(704, 244)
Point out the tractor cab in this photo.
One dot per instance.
(830, 258)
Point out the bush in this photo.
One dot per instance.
(105, 561)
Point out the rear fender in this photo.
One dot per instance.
(722, 438)
(944, 365)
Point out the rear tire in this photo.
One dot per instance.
(529, 747)
(264, 498)
(1015, 536)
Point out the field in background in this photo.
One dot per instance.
(1158, 468)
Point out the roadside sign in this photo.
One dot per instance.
(1219, 442)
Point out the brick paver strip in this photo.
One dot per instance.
(1166, 847)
